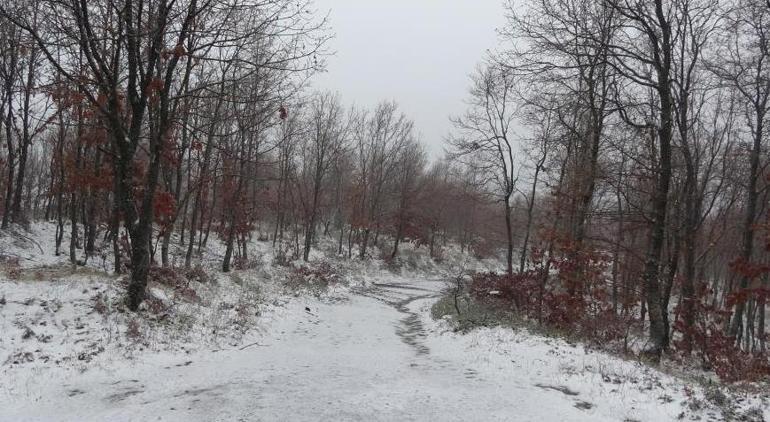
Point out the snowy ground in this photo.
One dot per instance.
(374, 357)
(368, 352)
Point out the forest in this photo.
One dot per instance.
(613, 156)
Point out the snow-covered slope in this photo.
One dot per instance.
(248, 349)
(374, 357)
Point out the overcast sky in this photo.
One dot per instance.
(417, 52)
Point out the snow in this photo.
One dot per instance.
(364, 352)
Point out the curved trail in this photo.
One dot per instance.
(410, 329)
(367, 359)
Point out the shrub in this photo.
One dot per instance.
(393, 265)
(176, 279)
(242, 263)
(317, 278)
(281, 259)
(12, 267)
(514, 292)
(99, 304)
(197, 273)
(156, 306)
(573, 299)
(468, 314)
(132, 330)
(568, 295)
(717, 350)
(167, 276)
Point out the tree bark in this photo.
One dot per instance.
(509, 236)
(747, 238)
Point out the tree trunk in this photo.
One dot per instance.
(193, 227)
(74, 194)
(690, 228)
(530, 211)
(616, 251)
(310, 231)
(228, 249)
(141, 231)
(25, 138)
(747, 243)
(761, 315)
(509, 236)
(93, 200)
(673, 269)
(140, 265)
(11, 157)
(396, 241)
(364, 243)
(164, 245)
(658, 331)
(350, 243)
(115, 229)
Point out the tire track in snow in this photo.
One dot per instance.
(410, 328)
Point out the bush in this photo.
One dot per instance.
(11, 266)
(468, 313)
(175, 279)
(100, 304)
(573, 300)
(197, 273)
(317, 278)
(732, 364)
(242, 263)
(717, 350)
(513, 292)
(281, 259)
(132, 330)
(569, 297)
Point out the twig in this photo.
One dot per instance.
(252, 344)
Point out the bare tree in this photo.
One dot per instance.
(560, 48)
(697, 22)
(131, 52)
(379, 139)
(485, 133)
(327, 138)
(544, 126)
(742, 64)
(411, 164)
(648, 63)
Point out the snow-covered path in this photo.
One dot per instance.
(366, 359)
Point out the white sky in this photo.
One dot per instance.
(417, 52)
